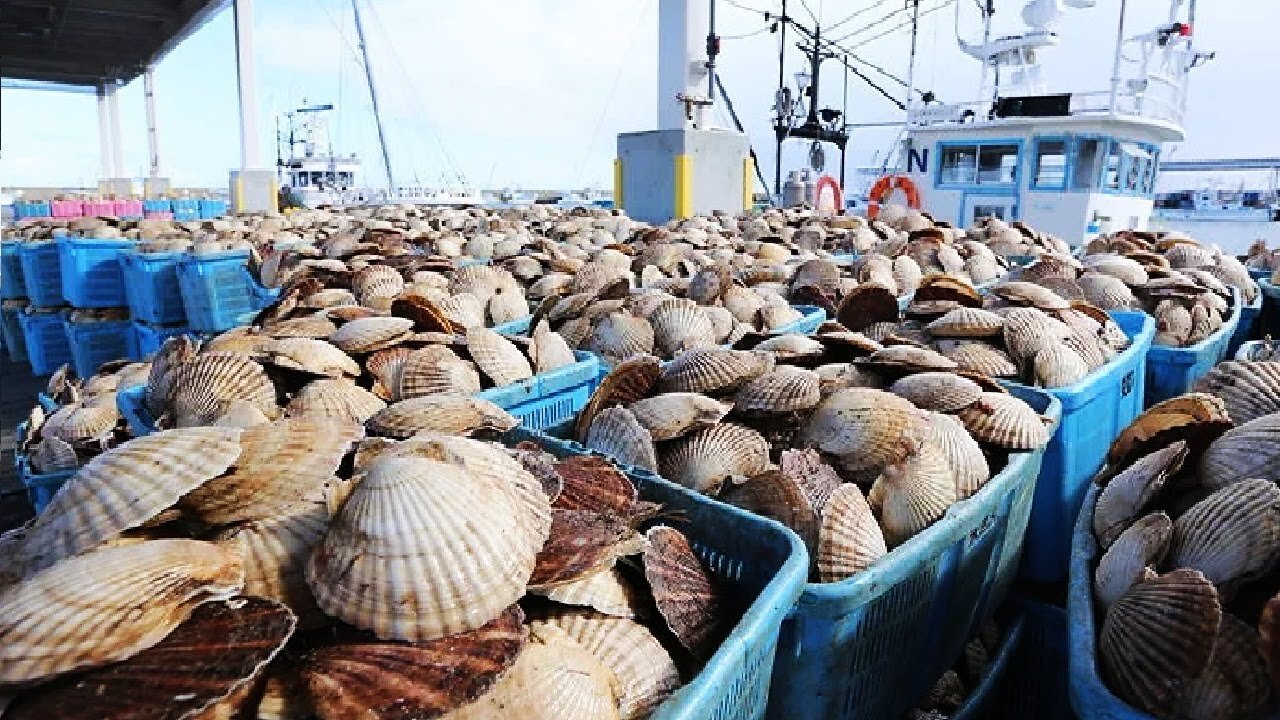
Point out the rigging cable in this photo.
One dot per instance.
(740, 6)
(805, 5)
(899, 26)
(874, 23)
(728, 103)
(855, 14)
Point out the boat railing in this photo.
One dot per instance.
(1156, 98)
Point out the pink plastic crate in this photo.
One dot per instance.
(128, 208)
(67, 208)
(94, 208)
(153, 215)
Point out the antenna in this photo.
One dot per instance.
(373, 94)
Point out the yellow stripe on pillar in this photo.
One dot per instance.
(683, 186)
(748, 181)
(237, 202)
(617, 184)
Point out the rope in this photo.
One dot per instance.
(855, 14)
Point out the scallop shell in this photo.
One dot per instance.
(464, 309)
(107, 605)
(616, 433)
(449, 414)
(1127, 495)
(549, 350)
(621, 335)
(1157, 637)
(645, 671)
(280, 464)
(981, 358)
(784, 389)
(497, 357)
(705, 459)
(683, 589)
(206, 385)
(672, 415)
(208, 663)
(1031, 295)
(963, 453)
(743, 303)
(1235, 682)
(366, 335)
(52, 455)
(867, 428)
(709, 371)
(382, 565)
(593, 483)
(850, 539)
(125, 487)
(1027, 331)
(911, 358)
(607, 592)
(436, 370)
(386, 367)
(1251, 450)
(1005, 421)
(773, 317)
(309, 326)
(506, 305)
(681, 326)
(79, 424)
(1198, 418)
(1231, 536)
(782, 497)
(629, 381)
(1057, 365)
(581, 543)
(1140, 547)
(334, 398)
(1248, 389)
(791, 346)
(274, 553)
(376, 680)
(1107, 292)
(915, 492)
(867, 305)
(938, 391)
(310, 355)
(967, 322)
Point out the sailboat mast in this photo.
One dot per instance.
(373, 94)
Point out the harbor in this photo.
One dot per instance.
(709, 360)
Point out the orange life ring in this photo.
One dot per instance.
(885, 186)
(826, 181)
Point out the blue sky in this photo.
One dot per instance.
(532, 93)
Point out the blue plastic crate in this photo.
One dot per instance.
(1270, 308)
(1172, 371)
(11, 327)
(981, 702)
(1029, 675)
(813, 317)
(844, 258)
(40, 487)
(151, 287)
(218, 292)
(42, 273)
(47, 346)
(185, 209)
(762, 566)
(1094, 411)
(1020, 261)
(1246, 351)
(95, 343)
(12, 284)
(210, 209)
(1089, 695)
(1259, 273)
(157, 205)
(131, 402)
(1247, 328)
(550, 398)
(869, 646)
(148, 338)
(91, 273)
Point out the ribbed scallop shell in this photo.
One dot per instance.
(1251, 450)
(981, 358)
(776, 316)
(448, 414)
(366, 335)
(672, 415)
(621, 335)
(375, 282)
(315, 356)
(963, 453)
(1057, 365)
(705, 459)
(330, 297)
(937, 391)
(582, 543)
(645, 671)
(465, 309)
(784, 389)
(867, 428)
(1127, 495)
(205, 386)
(1173, 324)
(706, 371)
(312, 326)
(1006, 421)
(386, 366)
(506, 305)
(616, 433)
(680, 326)
(915, 493)
(607, 592)
(334, 398)
(436, 370)
(1235, 683)
(850, 539)
(274, 553)
(1231, 536)
(1107, 292)
(1157, 637)
(1030, 294)
(549, 350)
(629, 381)
(591, 482)
(280, 464)
(421, 550)
(743, 303)
(782, 497)
(1248, 389)
(52, 454)
(1139, 548)
(107, 605)
(964, 322)
(912, 358)
(78, 424)
(684, 590)
(1027, 331)
(125, 487)
(497, 357)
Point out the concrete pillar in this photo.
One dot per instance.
(117, 146)
(682, 58)
(104, 135)
(250, 147)
(153, 139)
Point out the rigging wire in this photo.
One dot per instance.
(855, 14)
(907, 22)
(805, 5)
(740, 6)
(762, 30)
(874, 23)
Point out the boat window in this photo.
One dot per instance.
(959, 164)
(1051, 165)
(1084, 175)
(998, 164)
(1149, 179)
(1111, 173)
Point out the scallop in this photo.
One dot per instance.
(549, 351)
(436, 370)
(619, 435)
(706, 459)
(1057, 365)
(1231, 536)
(313, 356)
(1248, 389)
(1027, 331)
(981, 358)
(867, 428)
(783, 497)
(366, 335)
(938, 391)
(684, 590)
(784, 389)
(1251, 450)
(1006, 421)
(607, 592)
(1131, 556)
(450, 414)
(672, 415)
(274, 553)
(712, 371)
(967, 322)
(1127, 495)
(335, 398)
(621, 335)
(681, 326)
(497, 357)
(208, 384)
(1235, 682)
(850, 540)
(915, 492)
(963, 453)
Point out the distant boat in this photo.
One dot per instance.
(1217, 205)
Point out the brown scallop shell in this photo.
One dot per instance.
(1159, 636)
(630, 381)
(680, 326)
(1005, 421)
(1251, 450)
(938, 391)
(910, 358)
(211, 658)
(81, 424)
(815, 478)
(706, 459)
(1027, 331)
(1139, 548)
(672, 415)
(1127, 495)
(205, 386)
(713, 370)
(850, 539)
(867, 428)
(1248, 389)
(581, 543)
(335, 398)
(866, 305)
(914, 493)
(1057, 365)
(366, 335)
(967, 322)
(436, 370)
(1235, 682)
(370, 680)
(426, 315)
(386, 366)
(1231, 536)
(52, 454)
(981, 358)
(784, 389)
(1198, 418)
(595, 484)
(108, 604)
(449, 414)
(684, 590)
(780, 497)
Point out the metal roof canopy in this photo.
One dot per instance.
(86, 43)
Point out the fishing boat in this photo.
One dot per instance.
(1218, 205)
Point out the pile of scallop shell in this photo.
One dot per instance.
(297, 568)
(1186, 287)
(1019, 330)
(1188, 528)
(85, 421)
(1016, 239)
(795, 434)
(954, 687)
(1260, 257)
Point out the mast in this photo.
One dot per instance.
(373, 94)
